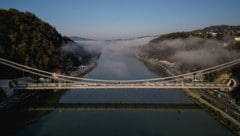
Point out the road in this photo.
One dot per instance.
(197, 95)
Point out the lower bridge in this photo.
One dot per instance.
(80, 106)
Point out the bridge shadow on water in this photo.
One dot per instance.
(113, 106)
(102, 99)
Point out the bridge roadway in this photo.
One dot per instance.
(50, 86)
(69, 82)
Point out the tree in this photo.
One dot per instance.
(26, 39)
(22, 49)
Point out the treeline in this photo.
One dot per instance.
(171, 36)
(218, 32)
(28, 40)
(221, 28)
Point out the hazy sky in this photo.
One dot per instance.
(110, 19)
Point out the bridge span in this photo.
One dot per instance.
(50, 86)
(187, 80)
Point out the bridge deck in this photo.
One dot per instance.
(86, 83)
(45, 86)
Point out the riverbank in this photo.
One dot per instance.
(196, 96)
(86, 68)
(156, 67)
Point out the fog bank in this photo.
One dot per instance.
(127, 46)
(196, 51)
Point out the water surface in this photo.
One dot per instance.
(120, 122)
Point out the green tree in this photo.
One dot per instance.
(22, 49)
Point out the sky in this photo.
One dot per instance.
(113, 19)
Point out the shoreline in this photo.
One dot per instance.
(89, 68)
(196, 96)
(162, 68)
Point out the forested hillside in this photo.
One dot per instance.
(195, 49)
(26, 39)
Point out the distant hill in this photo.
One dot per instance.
(26, 39)
(67, 39)
(215, 32)
(220, 29)
(76, 38)
(131, 39)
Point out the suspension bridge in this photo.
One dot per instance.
(188, 80)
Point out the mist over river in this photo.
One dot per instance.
(118, 65)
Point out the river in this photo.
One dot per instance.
(124, 122)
